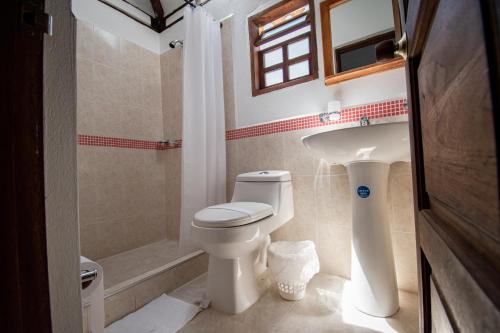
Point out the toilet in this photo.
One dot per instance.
(235, 235)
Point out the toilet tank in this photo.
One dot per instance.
(273, 187)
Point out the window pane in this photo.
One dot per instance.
(273, 57)
(290, 16)
(285, 37)
(298, 49)
(284, 27)
(298, 70)
(274, 77)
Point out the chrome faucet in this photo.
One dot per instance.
(327, 116)
(364, 121)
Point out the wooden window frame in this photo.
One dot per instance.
(258, 70)
(330, 76)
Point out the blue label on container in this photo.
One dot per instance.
(363, 192)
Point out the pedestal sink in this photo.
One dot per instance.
(367, 153)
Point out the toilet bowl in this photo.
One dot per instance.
(236, 234)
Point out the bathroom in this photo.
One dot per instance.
(258, 166)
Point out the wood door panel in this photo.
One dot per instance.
(453, 94)
(440, 320)
(458, 133)
(465, 303)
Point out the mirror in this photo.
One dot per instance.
(351, 30)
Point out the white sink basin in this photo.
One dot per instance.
(367, 153)
(383, 143)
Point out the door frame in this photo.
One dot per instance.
(25, 280)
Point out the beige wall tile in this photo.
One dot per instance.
(231, 166)
(191, 269)
(106, 47)
(296, 157)
(85, 85)
(171, 89)
(338, 169)
(131, 57)
(173, 194)
(227, 68)
(119, 86)
(323, 192)
(84, 35)
(118, 306)
(150, 63)
(247, 155)
(303, 199)
(154, 287)
(303, 225)
(405, 257)
(341, 200)
(122, 191)
(122, 196)
(261, 153)
(401, 168)
(108, 83)
(401, 200)
(333, 245)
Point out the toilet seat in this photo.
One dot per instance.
(232, 214)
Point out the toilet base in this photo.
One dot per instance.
(236, 284)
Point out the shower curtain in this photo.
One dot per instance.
(203, 128)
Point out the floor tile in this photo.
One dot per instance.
(327, 307)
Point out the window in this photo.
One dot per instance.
(283, 46)
(359, 53)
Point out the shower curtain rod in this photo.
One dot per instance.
(186, 3)
(124, 12)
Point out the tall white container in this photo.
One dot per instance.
(93, 298)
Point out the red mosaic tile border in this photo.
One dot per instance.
(103, 141)
(353, 114)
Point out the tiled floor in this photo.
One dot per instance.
(126, 265)
(326, 308)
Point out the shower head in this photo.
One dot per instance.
(173, 44)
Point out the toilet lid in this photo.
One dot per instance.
(232, 214)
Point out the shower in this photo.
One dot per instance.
(173, 44)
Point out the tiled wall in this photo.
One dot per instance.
(322, 201)
(171, 70)
(121, 191)
(321, 192)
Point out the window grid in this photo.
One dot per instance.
(286, 61)
(257, 41)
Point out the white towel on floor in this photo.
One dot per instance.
(163, 315)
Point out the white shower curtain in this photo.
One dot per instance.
(203, 128)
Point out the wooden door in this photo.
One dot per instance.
(452, 78)
(25, 304)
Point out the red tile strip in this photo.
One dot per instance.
(353, 114)
(103, 141)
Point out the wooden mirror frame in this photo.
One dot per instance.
(326, 34)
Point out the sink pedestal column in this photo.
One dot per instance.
(372, 261)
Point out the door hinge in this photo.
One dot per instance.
(33, 17)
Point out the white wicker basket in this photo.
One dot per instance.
(292, 264)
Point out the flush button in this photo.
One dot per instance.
(264, 173)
